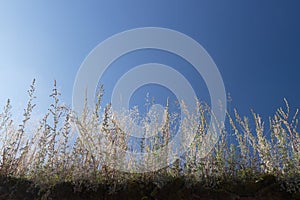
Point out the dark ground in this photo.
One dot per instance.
(268, 188)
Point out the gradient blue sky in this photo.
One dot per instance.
(255, 44)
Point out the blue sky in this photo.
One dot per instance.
(255, 44)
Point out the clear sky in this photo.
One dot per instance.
(255, 44)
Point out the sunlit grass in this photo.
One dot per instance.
(52, 152)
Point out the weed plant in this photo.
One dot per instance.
(53, 152)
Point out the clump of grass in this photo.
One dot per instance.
(52, 153)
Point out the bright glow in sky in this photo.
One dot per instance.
(255, 44)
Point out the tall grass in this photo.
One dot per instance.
(53, 152)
